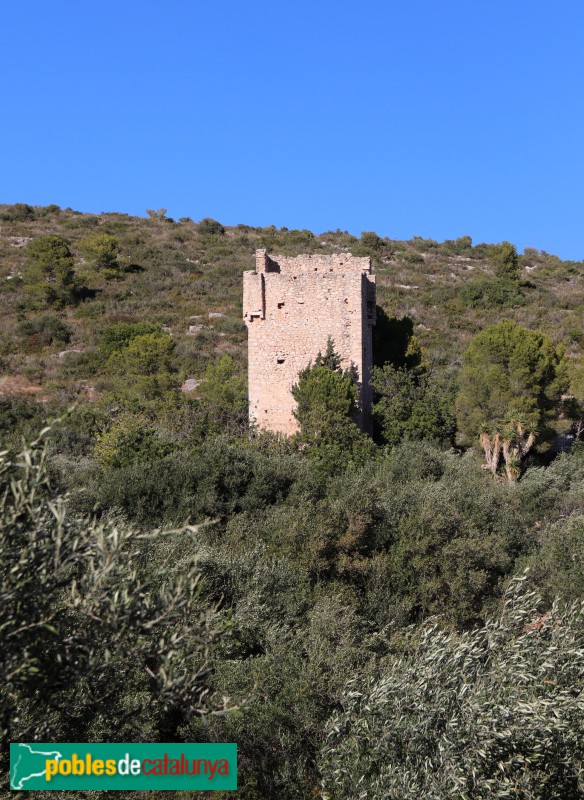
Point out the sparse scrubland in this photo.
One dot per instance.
(390, 616)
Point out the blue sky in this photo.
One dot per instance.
(437, 119)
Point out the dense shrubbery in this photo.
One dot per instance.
(210, 227)
(323, 576)
(490, 292)
(45, 329)
(413, 404)
(19, 212)
(493, 713)
(105, 636)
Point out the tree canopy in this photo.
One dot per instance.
(511, 381)
(326, 398)
(102, 250)
(412, 404)
(505, 259)
(49, 275)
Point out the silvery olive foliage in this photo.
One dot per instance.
(496, 712)
(99, 636)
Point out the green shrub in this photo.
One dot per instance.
(558, 566)
(394, 341)
(104, 637)
(412, 404)
(49, 277)
(129, 438)
(19, 212)
(19, 415)
(371, 242)
(215, 481)
(45, 330)
(505, 259)
(146, 354)
(224, 397)
(460, 247)
(119, 336)
(210, 227)
(102, 250)
(451, 536)
(52, 259)
(410, 257)
(491, 292)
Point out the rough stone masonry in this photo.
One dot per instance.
(291, 306)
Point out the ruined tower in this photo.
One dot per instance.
(291, 306)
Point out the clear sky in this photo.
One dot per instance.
(437, 119)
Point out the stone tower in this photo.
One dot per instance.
(291, 306)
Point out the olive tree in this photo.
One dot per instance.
(496, 712)
(104, 635)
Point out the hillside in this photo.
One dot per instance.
(176, 273)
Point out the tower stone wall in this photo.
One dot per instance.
(291, 306)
